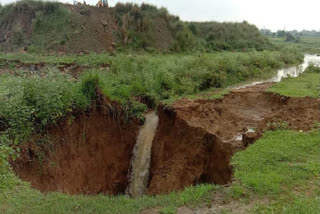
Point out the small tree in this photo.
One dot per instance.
(290, 37)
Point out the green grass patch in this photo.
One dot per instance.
(20, 198)
(30, 103)
(306, 85)
(305, 44)
(278, 162)
(292, 205)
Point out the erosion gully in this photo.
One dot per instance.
(188, 143)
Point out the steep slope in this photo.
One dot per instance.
(36, 26)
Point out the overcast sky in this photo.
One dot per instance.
(271, 14)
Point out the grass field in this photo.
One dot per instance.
(306, 85)
(307, 44)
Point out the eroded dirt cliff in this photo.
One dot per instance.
(193, 143)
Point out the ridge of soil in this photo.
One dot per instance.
(89, 29)
(92, 29)
(193, 144)
(71, 68)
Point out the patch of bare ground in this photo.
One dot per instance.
(193, 143)
(196, 138)
(88, 155)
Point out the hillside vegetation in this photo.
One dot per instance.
(35, 26)
(30, 102)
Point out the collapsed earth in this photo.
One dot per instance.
(128, 109)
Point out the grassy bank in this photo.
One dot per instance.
(281, 168)
(306, 85)
(305, 44)
(32, 101)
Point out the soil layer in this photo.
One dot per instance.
(197, 138)
(193, 143)
(89, 155)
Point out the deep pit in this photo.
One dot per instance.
(193, 143)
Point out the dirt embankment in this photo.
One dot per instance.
(194, 143)
(89, 155)
(197, 138)
(88, 29)
(85, 29)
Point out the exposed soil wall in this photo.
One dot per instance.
(197, 138)
(194, 143)
(90, 155)
(184, 155)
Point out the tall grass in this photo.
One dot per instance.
(30, 103)
(165, 77)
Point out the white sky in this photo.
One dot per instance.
(271, 14)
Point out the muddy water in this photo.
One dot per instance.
(293, 71)
(140, 164)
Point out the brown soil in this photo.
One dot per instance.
(196, 138)
(93, 30)
(89, 155)
(194, 142)
(90, 29)
(20, 21)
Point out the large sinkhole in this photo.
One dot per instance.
(191, 143)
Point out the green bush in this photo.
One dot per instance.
(185, 41)
(313, 68)
(30, 104)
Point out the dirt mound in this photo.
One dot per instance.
(93, 30)
(89, 155)
(196, 138)
(86, 28)
(79, 29)
(18, 19)
(193, 144)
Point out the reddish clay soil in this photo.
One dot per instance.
(196, 138)
(194, 143)
(90, 155)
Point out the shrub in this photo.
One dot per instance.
(185, 41)
(30, 103)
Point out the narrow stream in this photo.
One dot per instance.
(140, 163)
(293, 71)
